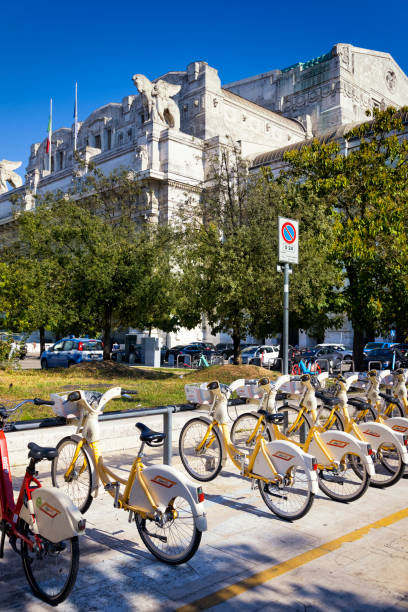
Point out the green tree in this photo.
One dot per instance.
(228, 255)
(99, 257)
(367, 190)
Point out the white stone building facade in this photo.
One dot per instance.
(166, 130)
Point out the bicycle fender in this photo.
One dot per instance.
(339, 443)
(285, 455)
(224, 451)
(379, 433)
(91, 458)
(165, 483)
(56, 516)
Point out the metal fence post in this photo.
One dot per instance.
(167, 426)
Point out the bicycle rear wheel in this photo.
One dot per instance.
(202, 463)
(173, 538)
(388, 466)
(347, 482)
(52, 571)
(78, 486)
(291, 499)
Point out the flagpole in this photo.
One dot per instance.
(50, 137)
(76, 117)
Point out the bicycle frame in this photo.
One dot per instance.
(147, 490)
(268, 461)
(377, 433)
(48, 512)
(328, 447)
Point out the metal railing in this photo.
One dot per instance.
(166, 411)
(371, 362)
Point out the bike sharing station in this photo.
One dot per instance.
(246, 518)
(288, 254)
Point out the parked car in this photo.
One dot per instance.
(371, 346)
(71, 350)
(329, 356)
(384, 359)
(120, 354)
(174, 350)
(198, 349)
(263, 354)
(226, 349)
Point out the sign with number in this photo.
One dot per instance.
(288, 240)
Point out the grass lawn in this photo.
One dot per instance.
(155, 387)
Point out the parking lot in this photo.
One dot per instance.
(338, 557)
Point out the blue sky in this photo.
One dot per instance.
(46, 47)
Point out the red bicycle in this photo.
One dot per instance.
(42, 526)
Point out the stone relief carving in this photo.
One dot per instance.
(344, 53)
(142, 157)
(391, 79)
(157, 100)
(7, 175)
(150, 202)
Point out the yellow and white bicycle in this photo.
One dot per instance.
(284, 473)
(344, 465)
(168, 509)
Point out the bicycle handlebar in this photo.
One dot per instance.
(40, 402)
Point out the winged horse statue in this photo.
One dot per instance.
(157, 100)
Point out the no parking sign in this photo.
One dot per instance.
(288, 240)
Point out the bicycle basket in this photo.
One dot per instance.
(63, 408)
(198, 394)
(250, 391)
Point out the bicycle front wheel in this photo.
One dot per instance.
(172, 538)
(78, 485)
(346, 482)
(202, 460)
(244, 433)
(291, 499)
(51, 572)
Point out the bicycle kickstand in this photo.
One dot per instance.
(114, 486)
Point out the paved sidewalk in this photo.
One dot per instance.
(244, 558)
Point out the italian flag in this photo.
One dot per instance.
(49, 130)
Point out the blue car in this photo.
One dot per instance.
(68, 351)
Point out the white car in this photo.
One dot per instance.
(264, 354)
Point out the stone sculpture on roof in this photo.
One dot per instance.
(7, 175)
(157, 100)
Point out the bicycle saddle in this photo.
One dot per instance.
(274, 418)
(327, 399)
(41, 452)
(390, 399)
(358, 403)
(152, 438)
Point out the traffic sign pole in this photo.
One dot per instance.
(285, 317)
(288, 248)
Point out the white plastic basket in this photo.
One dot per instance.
(250, 391)
(198, 394)
(62, 407)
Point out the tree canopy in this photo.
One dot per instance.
(367, 189)
(228, 254)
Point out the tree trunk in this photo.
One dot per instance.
(107, 333)
(236, 338)
(358, 346)
(42, 340)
